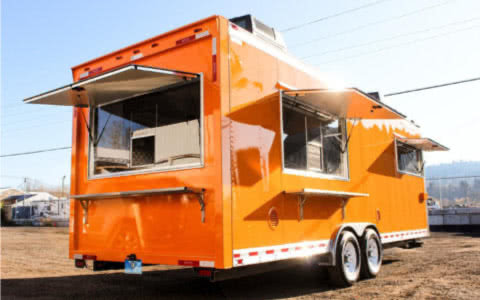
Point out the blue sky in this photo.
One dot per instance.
(399, 45)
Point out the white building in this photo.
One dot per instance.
(39, 205)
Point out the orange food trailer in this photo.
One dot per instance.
(211, 146)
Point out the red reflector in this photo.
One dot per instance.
(89, 257)
(236, 255)
(253, 253)
(206, 273)
(185, 40)
(79, 263)
(94, 71)
(285, 250)
(189, 263)
(270, 251)
(214, 67)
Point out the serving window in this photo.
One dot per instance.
(156, 131)
(409, 159)
(312, 141)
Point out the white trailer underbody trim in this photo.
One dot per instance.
(250, 256)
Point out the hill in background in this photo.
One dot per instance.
(463, 191)
(453, 169)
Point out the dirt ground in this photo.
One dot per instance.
(34, 263)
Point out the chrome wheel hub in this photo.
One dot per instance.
(373, 255)
(350, 261)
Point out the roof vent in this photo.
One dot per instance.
(260, 30)
(376, 96)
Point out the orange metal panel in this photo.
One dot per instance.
(165, 228)
(258, 179)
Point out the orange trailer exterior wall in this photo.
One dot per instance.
(164, 228)
(258, 181)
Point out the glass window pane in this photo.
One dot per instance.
(409, 159)
(157, 130)
(333, 144)
(314, 144)
(294, 140)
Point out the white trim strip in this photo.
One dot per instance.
(214, 46)
(201, 34)
(397, 236)
(249, 256)
(207, 264)
(313, 174)
(136, 56)
(272, 253)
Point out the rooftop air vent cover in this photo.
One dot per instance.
(260, 30)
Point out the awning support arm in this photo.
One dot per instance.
(420, 170)
(103, 130)
(201, 201)
(88, 128)
(345, 146)
(302, 198)
(84, 204)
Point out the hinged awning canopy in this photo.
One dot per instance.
(424, 144)
(117, 84)
(346, 103)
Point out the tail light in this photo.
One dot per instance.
(205, 273)
(80, 263)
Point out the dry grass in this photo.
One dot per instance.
(35, 264)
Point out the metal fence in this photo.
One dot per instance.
(448, 192)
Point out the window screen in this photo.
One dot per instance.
(153, 131)
(409, 159)
(313, 143)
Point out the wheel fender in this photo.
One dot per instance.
(357, 228)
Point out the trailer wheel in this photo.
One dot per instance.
(372, 254)
(348, 261)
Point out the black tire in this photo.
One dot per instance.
(372, 254)
(347, 267)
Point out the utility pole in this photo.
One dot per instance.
(25, 186)
(63, 195)
(63, 185)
